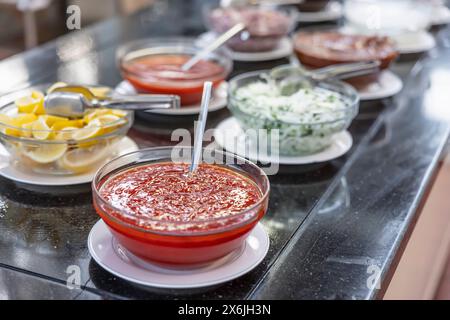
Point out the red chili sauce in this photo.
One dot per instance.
(164, 214)
(168, 192)
(162, 74)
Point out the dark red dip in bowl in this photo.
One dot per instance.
(160, 212)
(265, 26)
(154, 66)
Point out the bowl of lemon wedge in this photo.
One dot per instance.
(54, 145)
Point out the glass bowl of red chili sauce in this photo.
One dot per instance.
(160, 212)
(154, 66)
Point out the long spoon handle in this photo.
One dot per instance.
(213, 46)
(142, 102)
(198, 142)
(346, 70)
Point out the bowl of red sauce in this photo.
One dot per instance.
(161, 213)
(154, 66)
(266, 25)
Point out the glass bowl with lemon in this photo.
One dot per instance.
(54, 145)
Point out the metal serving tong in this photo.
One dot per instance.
(290, 78)
(72, 101)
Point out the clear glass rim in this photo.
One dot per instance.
(334, 29)
(100, 175)
(352, 95)
(116, 132)
(290, 11)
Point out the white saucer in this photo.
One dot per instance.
(283, 50)
(416, 42)
(333, 11)
(126, 145)
(387, 85)
(218, 101)
(440, 15)
(118, 261)
(407, 43)
(229, 131)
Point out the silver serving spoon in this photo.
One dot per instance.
(200, 130)
(291, 78)
(74, 102)
(213, 46)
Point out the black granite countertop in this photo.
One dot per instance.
(332, 226)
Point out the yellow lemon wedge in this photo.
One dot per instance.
(50, 120)
(12, 132)
(112, 119)
(26, 104)
(105, 120)
(18, 122)
(94, 114)
(46, 153)
(119, 113)
(100, 92)
(24, 118)
(65, 133)
(39, 97)
(41, 130)
(86, 133)
(96, 127)
(61, 125)
(84, 159)
(101, 113)
(5, 121)
(27, 131)
(55, 86)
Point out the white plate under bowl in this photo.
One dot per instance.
(118, 261)
(407, 43)
(218, 100)
(387, 85)
(440, 15)
(333, 11)
(283, 50)
(416, 42)
(126, 145)
(229, 131)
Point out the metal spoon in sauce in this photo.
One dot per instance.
(200, 130)
(213, 46)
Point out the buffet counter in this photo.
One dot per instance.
(337, 229)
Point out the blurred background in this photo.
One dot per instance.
(27, 23)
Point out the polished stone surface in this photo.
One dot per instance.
(16, 285)
(327, 223)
